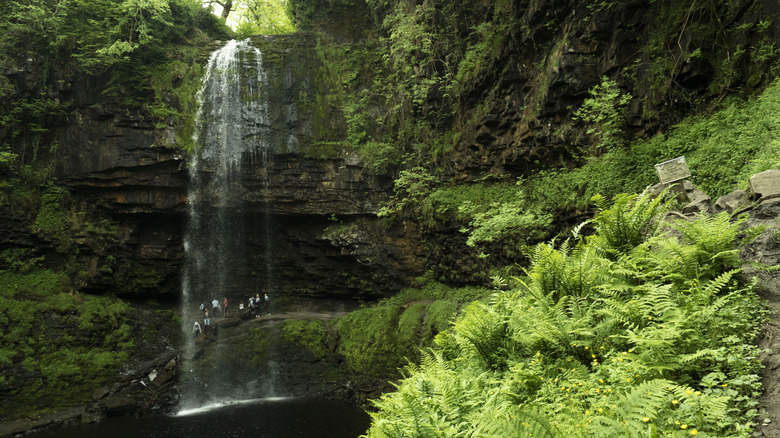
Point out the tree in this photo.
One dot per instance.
(226, 6)
(605, 111)
(252, 17)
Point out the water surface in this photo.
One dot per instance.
(270, 418)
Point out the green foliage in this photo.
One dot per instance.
(101, 312)
(37, 319)
(722, 149)
(630, 345)
(139, 278)
(367, 339)
(312, 335)
(266, 17)
(742, 52)
(348, 108)
(19, 260)
(376, 341)
(629, 222)
(501, 220)
(493, 211)
(51, 219)
(411, 187)
(140, 45)
(605, 111)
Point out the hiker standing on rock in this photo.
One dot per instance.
(214, 307)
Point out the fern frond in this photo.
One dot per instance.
(535, 425)
(716, 285)
(643, 401)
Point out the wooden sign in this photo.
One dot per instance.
(672, 170)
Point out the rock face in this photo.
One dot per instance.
(121, 164)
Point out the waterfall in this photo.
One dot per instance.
(232, 129)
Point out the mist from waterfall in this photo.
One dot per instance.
(232, 129)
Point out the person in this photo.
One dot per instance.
(196, 328)
(206, 320)
(251, 305)
(257, 305)
(225, 304)
(267, 304)
(214, 307)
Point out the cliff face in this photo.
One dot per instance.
(121, 164)
(513, 113)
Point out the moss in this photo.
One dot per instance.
(312, 335)
(64, 347)
(253, 348)
(409, 327)
(376, 341)
(441, 315)
(367, 339)
(51, 219)
(133, 277)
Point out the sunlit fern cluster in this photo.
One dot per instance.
(644, 328)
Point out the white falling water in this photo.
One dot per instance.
(232, 128)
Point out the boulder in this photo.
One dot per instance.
(119, 405)
(687, 193)
(733, 201)
(765, 184)
(702, 205)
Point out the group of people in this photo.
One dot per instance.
(256, 306)
(256, 303)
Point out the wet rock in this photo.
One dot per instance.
(100, 393)
(687, 193)
(119, 405)
(163, 378)
(684, 192)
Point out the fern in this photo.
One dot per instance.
(484, 330)
(627, 415)
(631, 332)
(631, 220)
(535, 425)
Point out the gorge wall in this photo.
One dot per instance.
(473, 91)
(521, 68)
(328, 242)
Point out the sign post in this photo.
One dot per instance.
(672, 170)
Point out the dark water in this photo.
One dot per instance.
(271, 418)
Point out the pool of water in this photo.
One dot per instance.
(271, 418)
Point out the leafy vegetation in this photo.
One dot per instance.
(256, 17)
(601, 338)
(605, 111)
(144, 48)
(57, 347)
(376, 341)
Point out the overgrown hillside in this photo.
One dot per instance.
(503, 118)
(60, 343)
(499, 121)
(626, 332)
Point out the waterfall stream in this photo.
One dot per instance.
(232, 129)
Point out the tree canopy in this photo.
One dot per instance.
(253, 17)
